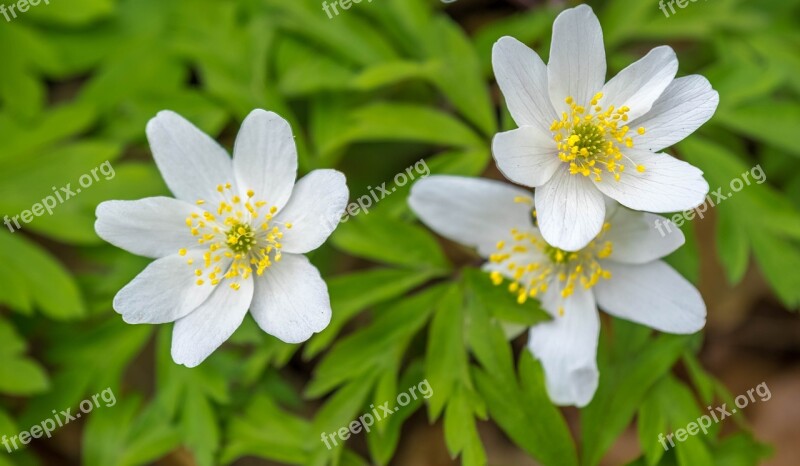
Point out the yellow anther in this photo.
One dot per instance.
(586, 137)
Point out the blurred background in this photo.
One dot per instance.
(371, 91)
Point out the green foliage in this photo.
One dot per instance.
(371, 92)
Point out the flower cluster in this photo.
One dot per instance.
(234, 237)
(584, 239)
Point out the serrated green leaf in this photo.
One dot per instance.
(622, 386)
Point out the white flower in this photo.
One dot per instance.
(618, 271)
(232, 240)
(579, 139)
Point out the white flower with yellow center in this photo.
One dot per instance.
(580, 138)
(233, 238)
(618, 271)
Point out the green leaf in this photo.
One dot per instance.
(74, 351)
(44, 282)
(352, 293)
(389, 73)
(390, 241)
(503, 304)
(770, 122)
(19, 375)
(446, 362)
(623, 385)
(514, 403)
(461, 433)
(76, 13)
(338, 412)
(487, 340)
(702, 380)
(458, 75)
(778, 261)
(364, 352)
(530, 27)
(741, 450)
(39, 180)
(402, 122)
(349, 37)
(679, 408)
(524, 411)
(384, 438)
(733, 246)
(651, 423)
(267, 431)
(117, 435)
(188, 396)
(54, 125)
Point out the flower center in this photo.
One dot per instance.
(241, 237)
(239, 231)
(590, 140)
(532, 264)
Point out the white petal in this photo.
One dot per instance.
(640, 237)
(526, 155)
(314, 210)
(164, 292)
(577, 66)
(570, 210)
(151, 227)
(291, 300)
(475, 212)
(666, 185)
(522, 77)
(684, 106)
(567, 347)
(652, 294)
(191, 163)
(265, 157)
(640, 84)
(200, 333)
